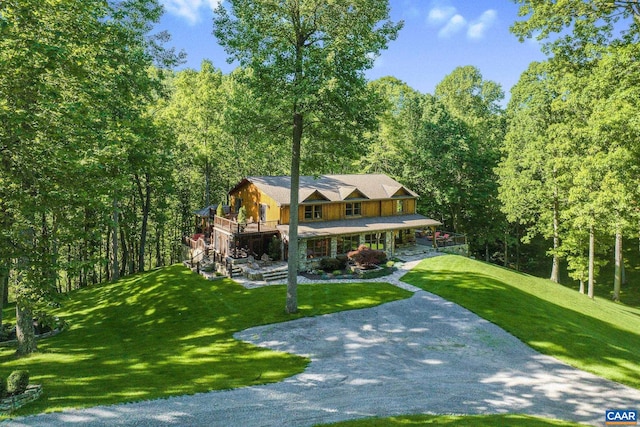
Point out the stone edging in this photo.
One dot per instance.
(38, 337)
(12, 403)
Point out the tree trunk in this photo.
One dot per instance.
(292, 262)
(617, 277)
(145, 198)
(592, 244)
(506, 250)
(4, 285)
(555, 268)
(25, 332)
(582, 286)
(115, 268)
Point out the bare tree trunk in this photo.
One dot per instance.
(582, 286)
(145, 198)
(292, 262)
(4, 285)
(115, 268)
(555, 267)
(592, 244)
(617, 277)
(25, 332)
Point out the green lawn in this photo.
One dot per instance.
(598, 335)
(169, 332)
(456, 421)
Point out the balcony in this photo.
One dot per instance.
(249, 227)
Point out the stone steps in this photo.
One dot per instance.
(275, 275)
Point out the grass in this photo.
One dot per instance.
(603, 288)
(170, 332)
(456, 421)
(597, 335)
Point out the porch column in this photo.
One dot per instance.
(389, 243)
(433, 237)
(302, 254)
(333, 250)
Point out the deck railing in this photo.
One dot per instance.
(233, 226)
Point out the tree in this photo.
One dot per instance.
(307, 59)
(475, 103)
(63, 93)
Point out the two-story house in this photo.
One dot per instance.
(336, 214)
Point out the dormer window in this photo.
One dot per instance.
(312, 212)
(353, 209)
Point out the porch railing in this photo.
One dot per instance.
(233, 226)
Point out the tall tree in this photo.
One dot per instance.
(308, 59)
(63, 93)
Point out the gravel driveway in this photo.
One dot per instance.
(420, 355)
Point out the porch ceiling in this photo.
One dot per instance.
(360, 225)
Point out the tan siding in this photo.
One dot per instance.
(333, 212)
(388, 207)
(410, 206)
(284, 215)
(251, 200)
(273, 211)
(371, 209)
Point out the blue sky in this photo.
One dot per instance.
(438, 36)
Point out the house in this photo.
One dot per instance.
(336, 213)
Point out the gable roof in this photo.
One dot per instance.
(334, 188)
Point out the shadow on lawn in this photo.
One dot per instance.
(167, 332)
(580, 340)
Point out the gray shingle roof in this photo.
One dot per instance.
(333, 187)
(361, 225)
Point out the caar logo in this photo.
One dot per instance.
(619, 417)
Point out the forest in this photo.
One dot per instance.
(107, 147)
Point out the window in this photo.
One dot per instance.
(347, 244)
(399, 206)
(375, 241)
(312, 212)
(353, 209)
(318, 248)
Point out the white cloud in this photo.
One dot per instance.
(440, 14)
(189, 9)
(479, 27)
(455, 24)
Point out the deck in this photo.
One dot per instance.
(234, 227)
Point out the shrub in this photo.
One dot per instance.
(17, 382)
(220, 210)
(337, 272)
(366, 257)
(274, 250)
(242, 215)
(331, 264)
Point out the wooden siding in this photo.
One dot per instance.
(251, 200)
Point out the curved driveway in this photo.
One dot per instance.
(420, 355)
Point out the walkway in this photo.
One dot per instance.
(419, 355)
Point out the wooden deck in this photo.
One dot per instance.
(232, 226)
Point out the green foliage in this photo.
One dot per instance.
(17, 382)
(275, 248)
(3, 387)
(242, 215)
(220, 210)
(331, 264)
